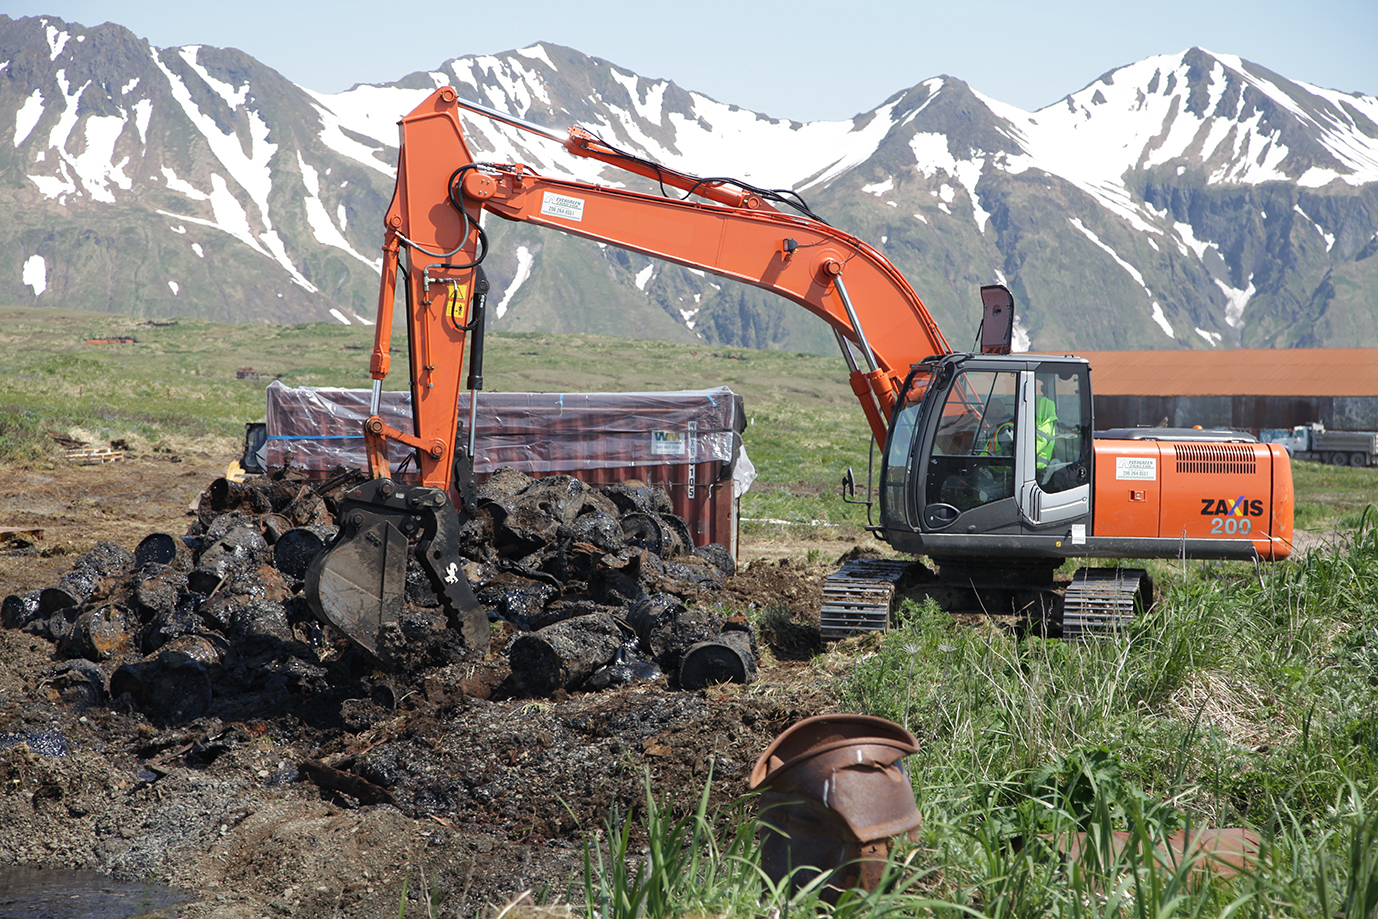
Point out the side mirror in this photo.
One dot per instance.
(997, 319)
(848, 485)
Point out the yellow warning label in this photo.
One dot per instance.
(457, 303)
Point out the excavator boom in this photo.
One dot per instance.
(434, 221)
(433, 246)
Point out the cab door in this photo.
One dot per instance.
(1055, 458)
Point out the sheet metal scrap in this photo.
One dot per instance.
(20, 534)
(1225, 852)
(833, 793)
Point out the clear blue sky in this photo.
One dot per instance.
(802, 60)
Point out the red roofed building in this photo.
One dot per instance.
(1243, 389)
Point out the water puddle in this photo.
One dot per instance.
(39, 893)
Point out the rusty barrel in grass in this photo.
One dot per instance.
(833, 792)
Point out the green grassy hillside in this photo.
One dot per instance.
(175, 389)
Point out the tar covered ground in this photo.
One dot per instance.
(320, 791)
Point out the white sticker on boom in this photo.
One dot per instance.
(562, 206)
(1141, 468)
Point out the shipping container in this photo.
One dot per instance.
(687, 442)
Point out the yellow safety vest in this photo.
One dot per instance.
(1045, 428)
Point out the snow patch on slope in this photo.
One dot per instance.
(652, 107)
(94, 166)
(184, 187)
(57, 39)
(143, 112)
(57, 137)
(1328, 237)
(325, 231)
(1019, 339)
(643, 277)
(234, 98)
(251, 170)
(369, 111)
(932, 156)
(1190, 242)
(92, 169)
(27, 116)
(524, 262)
(1212, 338)
(718, 139)
(1156, 313)
(537, 52)
(1236, 301)
(35, 274)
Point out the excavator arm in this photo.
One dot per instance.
(433, 246)
(736, 234)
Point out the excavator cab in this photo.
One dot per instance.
(985, 450)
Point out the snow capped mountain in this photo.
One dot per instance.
(1188, 200)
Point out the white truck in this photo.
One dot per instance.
(1313, 442)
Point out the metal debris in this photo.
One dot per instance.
(184, 621)
(833, 792)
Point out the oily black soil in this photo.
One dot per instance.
(323, 800)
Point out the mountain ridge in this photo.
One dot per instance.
(1187, 200)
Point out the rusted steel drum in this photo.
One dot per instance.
(833, 793)
(728, 658)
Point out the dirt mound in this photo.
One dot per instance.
(237, 748)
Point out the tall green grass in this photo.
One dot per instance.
(1006, 855)
(23, 436)
(1247, 697)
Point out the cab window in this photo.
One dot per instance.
(899, 451)
(973, 447)
(1062, 419)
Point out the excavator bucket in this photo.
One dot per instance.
(359, 585)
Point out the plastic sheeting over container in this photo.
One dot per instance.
(687, 442)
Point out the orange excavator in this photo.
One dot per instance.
(989, 464)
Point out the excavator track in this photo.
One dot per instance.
(858, 597)
(1103, 601)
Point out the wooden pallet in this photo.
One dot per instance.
(93, 457)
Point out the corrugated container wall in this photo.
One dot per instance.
(688, 443)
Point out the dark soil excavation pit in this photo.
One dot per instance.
(314, 781)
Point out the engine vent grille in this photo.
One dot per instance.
(1230, 459)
